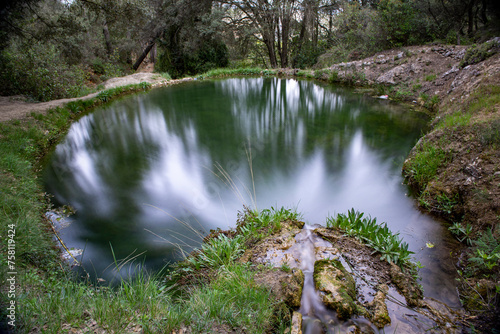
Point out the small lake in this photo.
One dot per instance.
(150, 174)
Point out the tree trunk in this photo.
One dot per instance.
(107, 38)
(144, 54)
(470, 13)
(272, 53)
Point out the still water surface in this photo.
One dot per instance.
(150, 172)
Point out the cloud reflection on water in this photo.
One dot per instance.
(148, 162)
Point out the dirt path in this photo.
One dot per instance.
(16, 107)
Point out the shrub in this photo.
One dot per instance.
(402, 23)
(211, 54)
(38, 71)
(477, 53)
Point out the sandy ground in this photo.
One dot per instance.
(16, 107)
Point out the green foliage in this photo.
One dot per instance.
(308, 55)
(457, 119)
(462, 233)
(225, 72)
(379, 237)
(423, 165)
(430, 103)
(447, 203)
(209, 55)
(402, 22)
(256, 225)
(430, 77)
(477, 53)
(358, 35)
(486, 254)
(39, 71)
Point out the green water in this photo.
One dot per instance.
(150, 174)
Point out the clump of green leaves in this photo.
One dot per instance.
(38, 71)
(430, 77)
(486, 254)
(477, 53)
(462, 233)
(377, 236)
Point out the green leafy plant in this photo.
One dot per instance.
(462, 233)
(486, 255)
(379, 237)
(447, 203)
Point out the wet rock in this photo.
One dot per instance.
(404, 283)
(296, 323)
(338, 287)
(379, 315)
(287, 287)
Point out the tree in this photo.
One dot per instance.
(272, 23)
(11, 17)
(190, 40)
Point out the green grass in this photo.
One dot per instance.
(23, 145)
(255, 225)
(234, 299)
(217, 252)
(224, 72)
(423, 166)
(430, 77)
(455, 120)
(485, 98)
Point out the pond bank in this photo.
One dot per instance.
(471, 179)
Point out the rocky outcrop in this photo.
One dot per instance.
(350, 280)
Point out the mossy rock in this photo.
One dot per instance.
(378, 312)
(338, 287)
(406, 286)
